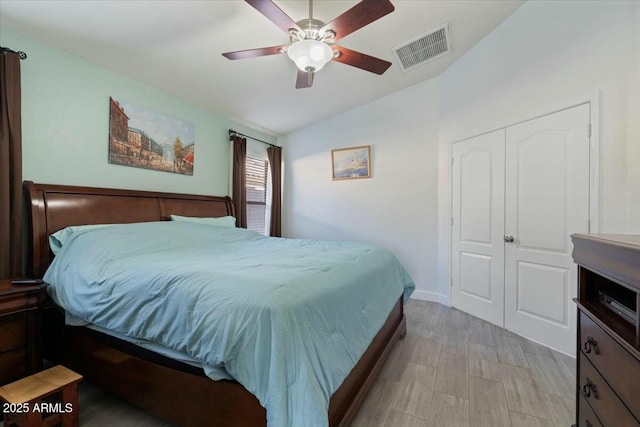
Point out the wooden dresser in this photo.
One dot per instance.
(20, 314)
(608, 377)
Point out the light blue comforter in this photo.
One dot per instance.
(286, 318)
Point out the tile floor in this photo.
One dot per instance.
(454, 370)
(451, 370)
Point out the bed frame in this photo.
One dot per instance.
(171, 390)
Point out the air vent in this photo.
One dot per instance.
(424, 48)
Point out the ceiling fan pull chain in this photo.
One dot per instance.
(310, 9)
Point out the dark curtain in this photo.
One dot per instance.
(275, 163)
(240, 179)
(10, 167)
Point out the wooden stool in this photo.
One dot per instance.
(26, 405)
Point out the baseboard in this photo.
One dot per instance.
(431, 296)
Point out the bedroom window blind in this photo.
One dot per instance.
(257, 171)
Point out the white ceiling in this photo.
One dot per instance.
(176, 47)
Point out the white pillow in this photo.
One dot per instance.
(223, 221)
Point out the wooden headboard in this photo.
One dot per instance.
(54, 207)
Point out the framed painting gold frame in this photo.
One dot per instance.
(351, 163)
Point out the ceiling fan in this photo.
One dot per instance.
(312, 41)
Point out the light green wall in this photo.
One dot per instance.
(65, 119)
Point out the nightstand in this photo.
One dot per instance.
(20, 325)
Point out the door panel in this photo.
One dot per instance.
(475, 275)
(475, 197)
(477, 229)
(546, 200)
(541, 160)
(542, 292)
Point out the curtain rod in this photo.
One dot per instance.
(231, 131)
(20, 53)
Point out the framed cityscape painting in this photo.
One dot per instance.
(143, 138)
(351, 163)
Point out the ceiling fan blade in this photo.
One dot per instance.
(274, 14)
(305, 79)
(253, 53)
(358, 16)
(361, 60)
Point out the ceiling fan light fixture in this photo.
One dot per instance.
(329, 34)
(310, 55)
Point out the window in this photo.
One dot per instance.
(257, 170)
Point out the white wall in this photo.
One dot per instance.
(544, 57)
(547, 56)
(397, 207)
(633, 140)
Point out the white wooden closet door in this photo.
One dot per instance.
(477, 228)
(547, 199)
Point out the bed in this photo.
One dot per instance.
(172, 389)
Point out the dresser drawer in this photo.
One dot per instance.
(586, 416)
(608, 356)
(13, 332)
(605, 403)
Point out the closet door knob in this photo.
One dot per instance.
(508, 239)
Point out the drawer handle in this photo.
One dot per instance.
(589, 345)
(588, 388)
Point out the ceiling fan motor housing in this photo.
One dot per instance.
(310, 31)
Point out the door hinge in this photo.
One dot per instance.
(589, 130)
(452, 161)
(452, 221)
(451, 281)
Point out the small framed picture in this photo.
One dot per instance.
(351, 163)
